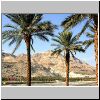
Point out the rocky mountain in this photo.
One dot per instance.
(43, 64)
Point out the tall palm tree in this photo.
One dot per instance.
(75, 19)
(67, 44)
(26, 26)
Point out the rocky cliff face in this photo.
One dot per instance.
(43, 64)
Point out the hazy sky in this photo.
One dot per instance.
(41, 46)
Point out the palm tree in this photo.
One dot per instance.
(67, 44)
(26, 26)
(75, 19)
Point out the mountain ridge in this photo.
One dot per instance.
(43, 64)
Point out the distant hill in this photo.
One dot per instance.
(43, 64)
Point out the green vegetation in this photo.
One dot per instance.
(46, 79)
(81, 79)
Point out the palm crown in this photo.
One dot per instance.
(65, 42)
(26, 24)
(74, 19)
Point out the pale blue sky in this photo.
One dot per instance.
(41, 46)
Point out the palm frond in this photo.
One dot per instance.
(57, 52)
(10, 26)
(91, 27)
(41, 37)
(11, 33)
(78, 42)
(24, 20)
(17, 45)
(72, 55)
(6, 40)
(73, 20)
(8, 35)
(87, 43)
(45, 26)
(37, 18)
(57, 40)
(14, 18)
(32, 48)
(14, 36)
(79, 48)
(84, 27)
(89, 35)
(32, 40)
(55, 45)
(74, 39)
(12, 41)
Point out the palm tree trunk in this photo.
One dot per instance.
(95, 18)
(27, 40)
(67, 68)
(96, 53)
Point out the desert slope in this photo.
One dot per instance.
(43, 64)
